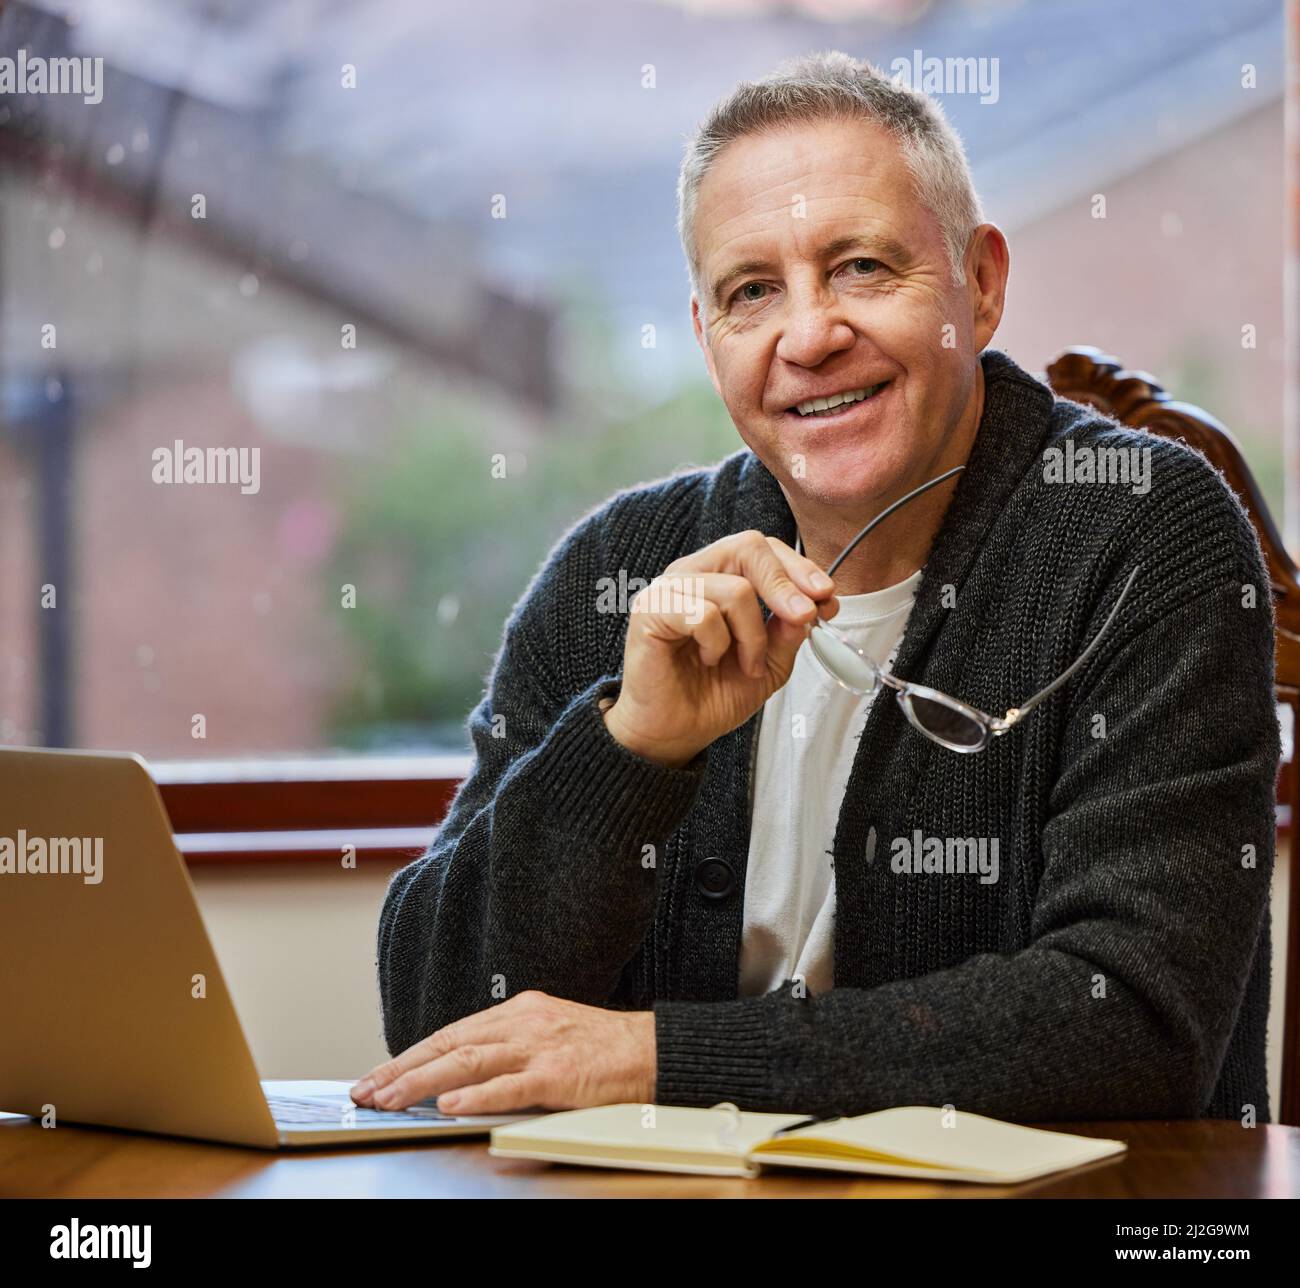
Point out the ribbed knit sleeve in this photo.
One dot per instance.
(1146, 926)
(537, 879)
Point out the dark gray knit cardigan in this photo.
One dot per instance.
(1118, 967)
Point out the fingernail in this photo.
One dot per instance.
(448, 1102)
(798, 603)
(821, 581)
(385, 1097)
(364, 1087)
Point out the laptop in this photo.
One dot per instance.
(113, 1006)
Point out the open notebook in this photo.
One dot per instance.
(936, 1144)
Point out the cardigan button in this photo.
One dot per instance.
(715, 878)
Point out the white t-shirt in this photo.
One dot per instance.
(806, 744)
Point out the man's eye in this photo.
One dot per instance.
(864, 265)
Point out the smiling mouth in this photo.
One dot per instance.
(817, 408)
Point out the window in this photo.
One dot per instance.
(318, 330)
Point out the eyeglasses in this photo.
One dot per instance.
(946, 720)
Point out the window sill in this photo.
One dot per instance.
(298, 810)
(390, 844)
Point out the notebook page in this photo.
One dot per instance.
(971, 1143)
(634, 1129)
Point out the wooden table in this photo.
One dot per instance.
(1199, 1159)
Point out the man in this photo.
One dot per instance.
(689, 866)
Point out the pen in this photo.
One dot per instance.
(807, 1122)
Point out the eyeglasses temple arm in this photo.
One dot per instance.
(885, 513)
(1017, 713)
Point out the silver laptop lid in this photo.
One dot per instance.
(112, 1004)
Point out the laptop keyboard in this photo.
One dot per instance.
(291, 1110)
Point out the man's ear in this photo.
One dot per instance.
(703, 341)
(990, 261)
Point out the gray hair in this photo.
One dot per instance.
(834, 86)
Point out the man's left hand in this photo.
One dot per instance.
(533, 1051)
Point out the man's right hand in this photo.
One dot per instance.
(699, 660)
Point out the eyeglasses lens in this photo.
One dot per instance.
(841, 660)
(946, 723)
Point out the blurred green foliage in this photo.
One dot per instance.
(440, 550)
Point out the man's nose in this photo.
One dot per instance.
(814, 327)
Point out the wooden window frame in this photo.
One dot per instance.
(298, 810)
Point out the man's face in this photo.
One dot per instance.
(848, 289)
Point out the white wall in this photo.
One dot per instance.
(297, 945)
